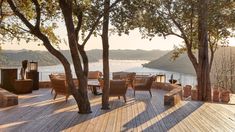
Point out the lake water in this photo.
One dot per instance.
(122, 65)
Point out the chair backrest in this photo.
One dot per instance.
(124, 75)
(57, 75)
(94, 74)
(149, 82)
(59, 85)
(131, 76)
(61, 76)
(117, 87)
(119, 75)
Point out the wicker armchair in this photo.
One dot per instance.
(146, 86)
(59, 85)
(62, 76)
(118, 88)
(56, 75)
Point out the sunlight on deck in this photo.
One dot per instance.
(39, 112)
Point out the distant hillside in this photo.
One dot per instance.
(44, 58)
(14, 58)
(129, 54)
(183, 64)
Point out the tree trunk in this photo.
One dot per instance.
(84, 104)
(105, 42)
(80, 96)
(203, 69)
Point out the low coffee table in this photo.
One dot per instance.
(23, 86)
(94, 84)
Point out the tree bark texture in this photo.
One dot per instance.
(105, 42)
(203, 69)
(75, 50)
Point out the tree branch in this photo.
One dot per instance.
(172, 33)
(188, 44)
(1, 13)
(20, 15)
(97, 22)
(80, 19)
(38, 12)
(213, 48)
(8, 30)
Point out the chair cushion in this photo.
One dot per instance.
(57, 76)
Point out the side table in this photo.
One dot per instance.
(34, 75)
(23, 86)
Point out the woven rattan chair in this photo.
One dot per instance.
(56, 75)
(59, 85)
(118, 88)
(146, 86)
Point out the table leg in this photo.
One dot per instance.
(94, 91)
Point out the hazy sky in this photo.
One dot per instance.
(133, 41)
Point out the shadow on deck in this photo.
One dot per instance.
(39, 112)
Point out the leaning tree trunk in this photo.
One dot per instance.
(79, 96)
(105, 42)
(68, 72)
(84, 104)
(203, 70)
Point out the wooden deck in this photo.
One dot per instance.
(39, 112)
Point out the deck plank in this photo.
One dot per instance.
(39, 112)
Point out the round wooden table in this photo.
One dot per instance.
(94, 84)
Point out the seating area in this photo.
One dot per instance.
(163, 110)
(118, 86)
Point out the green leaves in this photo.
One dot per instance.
(175, 17)
(13, 28)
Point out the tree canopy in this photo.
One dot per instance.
(200, 24)
(176, 17)
(38, 19)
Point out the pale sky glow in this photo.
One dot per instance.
(133, 41)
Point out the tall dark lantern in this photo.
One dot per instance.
(34, 74)
(33, 66)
